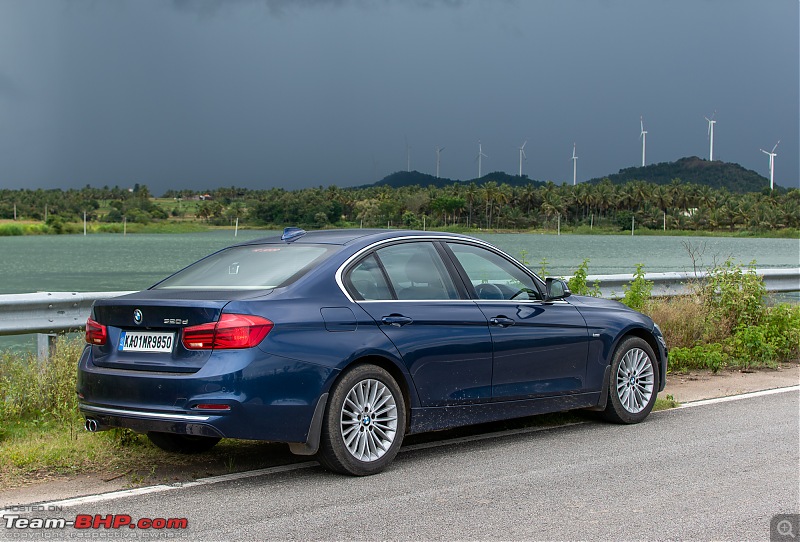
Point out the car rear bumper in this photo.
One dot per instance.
(268, 398)
(144, 421)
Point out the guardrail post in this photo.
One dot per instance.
(45, 346)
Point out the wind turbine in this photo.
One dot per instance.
(438, 152)
(480, 155)
(772, 154)
(574, 166)
(521, 156)
(643, 135)
(711, 123)
(408, 156)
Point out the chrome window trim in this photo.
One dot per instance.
(416, 300)
(377, 244)
(522, 301)
(476, 301)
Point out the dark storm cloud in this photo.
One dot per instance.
(261, 93)
(9, 89)
(280, 7)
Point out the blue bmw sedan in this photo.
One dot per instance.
(342, 342)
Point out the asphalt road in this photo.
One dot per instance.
(718, 471)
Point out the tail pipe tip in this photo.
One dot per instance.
(91, 425)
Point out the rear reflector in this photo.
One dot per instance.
(212, 406)
(96, 333)
(231, 331)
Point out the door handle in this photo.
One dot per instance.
(396, 320)
(501, 321)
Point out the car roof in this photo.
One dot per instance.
(345, 237)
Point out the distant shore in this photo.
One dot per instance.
(12, 228)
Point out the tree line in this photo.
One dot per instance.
(486, 205)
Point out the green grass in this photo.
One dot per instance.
(152, 227)
(665, 403)
(8, 229)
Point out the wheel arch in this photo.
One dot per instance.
(311, 446)
(402, 379)
(650, 339)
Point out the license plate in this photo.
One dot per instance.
(145, 341)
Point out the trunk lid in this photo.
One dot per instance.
(144, 329)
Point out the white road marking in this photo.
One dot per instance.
(738, 397)
(114, 495)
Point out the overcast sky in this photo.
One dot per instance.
(297, 93)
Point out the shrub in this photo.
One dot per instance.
(682, 320)
(775, 340)
(10, 229)
(639, 290)
(706, 356)
(782, 325)
(750, 347)
(578, 285)
(543, 267)
(30, 391)
(734, 298)
(55, 224)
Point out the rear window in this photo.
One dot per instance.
(252, 267)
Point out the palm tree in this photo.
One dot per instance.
(626, 197)
(552, 204)
(641, 194)
(604, 197)
(528, 197)
(491, 193)
(706, 197)
(662, 198)
(472, 193)
(515, 217)
(679, 194)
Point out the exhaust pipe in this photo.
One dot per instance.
(91, 425)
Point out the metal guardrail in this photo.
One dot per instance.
(48, 313)
(679, 283)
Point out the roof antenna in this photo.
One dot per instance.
(292, 234)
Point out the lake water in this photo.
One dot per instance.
(106, 262)
(109, 262)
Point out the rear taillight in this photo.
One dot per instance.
(96, 333)
(231, 331)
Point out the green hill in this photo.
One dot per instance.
(692, 169)
(415, 178)
(696, 171)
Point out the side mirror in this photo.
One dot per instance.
(556, 289)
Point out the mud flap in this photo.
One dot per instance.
(311, 445)
(601, 404)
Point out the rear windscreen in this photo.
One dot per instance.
(250, 267)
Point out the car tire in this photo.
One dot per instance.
(364, 423)
(182, 444)
(633, 382)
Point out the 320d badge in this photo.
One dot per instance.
(340, 343)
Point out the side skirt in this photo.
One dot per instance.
(438, 418)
